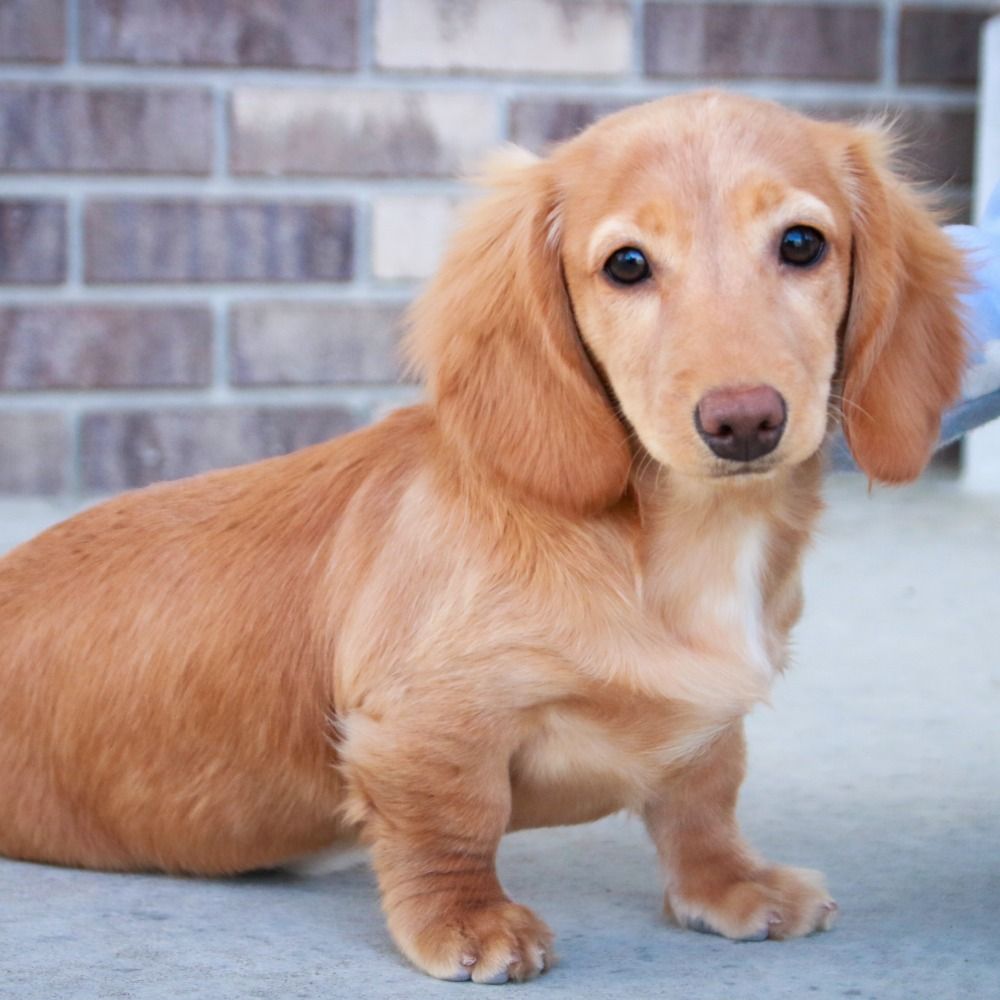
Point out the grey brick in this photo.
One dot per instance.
(45, 128)
(99, 347)
(314, 343)
(32, 242)
(34, 453)
(294, 34)
(32, 30)
(359, 133)
(940, 44)
(409, 234)
(124, 449)
(191, 240)
(823, 42)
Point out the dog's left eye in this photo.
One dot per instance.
(627, 266)
(802, 246)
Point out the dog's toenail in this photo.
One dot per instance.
(774, 919)
(468, 960)
(498, 979)
(831, 905)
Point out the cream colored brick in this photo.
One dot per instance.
(359, 133)
(409, 235)
(573, 37)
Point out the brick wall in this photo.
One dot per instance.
(212, 212)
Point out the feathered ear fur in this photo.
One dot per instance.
(496, 338)
(904, 349)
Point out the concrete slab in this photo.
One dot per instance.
(879, 763)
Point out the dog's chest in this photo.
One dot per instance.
(707, 591)
(730, 607)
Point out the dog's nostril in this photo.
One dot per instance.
(741, 423)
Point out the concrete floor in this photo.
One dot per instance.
(879, 763)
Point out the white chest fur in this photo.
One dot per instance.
(708, 587)
(733, 607)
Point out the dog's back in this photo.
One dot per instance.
(185, 614)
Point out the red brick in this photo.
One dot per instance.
(104, 347)
(294, 34)
(32, 31)
(34, 452)
(46, 128)
(124, 449)
(801, 41)
(32, 242)
(198, 241)
(940, 45)
(314, 343)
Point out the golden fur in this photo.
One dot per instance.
(523, 603)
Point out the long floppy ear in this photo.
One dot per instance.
(904, 350)
(495, 336)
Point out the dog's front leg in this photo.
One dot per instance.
(715, 882)
(435, 801)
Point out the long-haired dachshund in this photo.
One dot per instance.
(550, 592)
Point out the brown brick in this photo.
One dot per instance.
(359, 133)
(34, 452)
(293, 34)
(189, 240)
(104, 347)
(32, 30)
(124, 449)
(579, 38)
(46, 128)
(32, 242)
(936, 144)
(822, 42)
(537, 123)
(314, 343)
(940, 45)
(940, 143)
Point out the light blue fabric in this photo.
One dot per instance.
(980, 401)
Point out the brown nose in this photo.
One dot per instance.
(741, 424)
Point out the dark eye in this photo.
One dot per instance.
(802, 246)
(627, 266)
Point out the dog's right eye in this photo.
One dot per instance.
(627, 266)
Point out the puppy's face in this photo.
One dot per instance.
(708, 260)
(725, 262)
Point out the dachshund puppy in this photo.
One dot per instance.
(549, 593)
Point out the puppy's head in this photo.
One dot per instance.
(705, 278)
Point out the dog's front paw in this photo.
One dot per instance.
(490, 944)
(774, 902)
